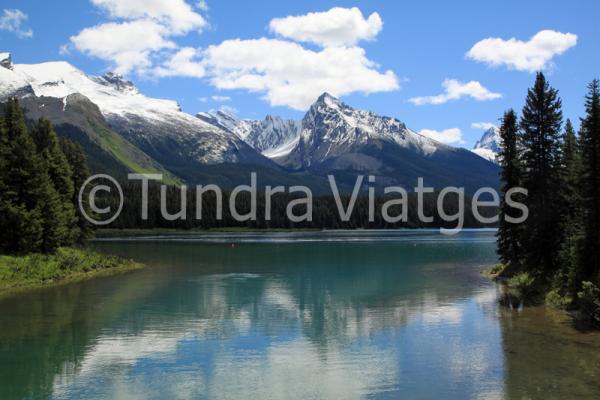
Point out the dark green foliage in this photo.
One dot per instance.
(36, 198)
(589, 298)
(560, 252)
(25, 185)
(75, 156)
(590, 182)
(540, 138)
(62, 228)
(509, 234)
(570, 215)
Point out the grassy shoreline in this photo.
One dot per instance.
(521, 289)
(24, 273)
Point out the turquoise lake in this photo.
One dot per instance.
(293, 315)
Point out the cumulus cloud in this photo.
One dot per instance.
(185, 62)
(221, 99)
(143, 32)
(448, 136)
(128, 45)
(454, 90)
(483, 125)
(336, 27)
(143, 40)
(178, 15)
(12, 20)
(532, 55)
(291, 75)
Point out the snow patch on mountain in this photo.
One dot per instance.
(331, 128)
(273, 136)
(488, 146)
(141, 119)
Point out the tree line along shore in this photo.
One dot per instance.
(554, 256)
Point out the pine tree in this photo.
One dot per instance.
(64, 229)
(540, 137)
(509, 234)
(590, 179)
(76, 158)
(26, 186)
(570, 214)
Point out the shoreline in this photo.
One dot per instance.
(14, 281)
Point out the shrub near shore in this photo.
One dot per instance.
(66, 265)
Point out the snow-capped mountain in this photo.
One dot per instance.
(489, 145)
(273, 136)
(331, 129)
(335, 137)
(124, 130)
(157, 126)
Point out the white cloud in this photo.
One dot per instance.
(448, 136)
(336, 27)
(142, 40)
(175, 14)
(220, 99)
(128, 45)
(143, 34)
(202, 99)
(185, 62)
(483, 125)
(291, 75)
(454, 90)
(229, 110)
(12, 20)
(533, 55)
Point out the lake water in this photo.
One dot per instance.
(306, 315)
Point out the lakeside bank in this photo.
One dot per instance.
(67, 265)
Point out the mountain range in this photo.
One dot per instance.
(123, 130)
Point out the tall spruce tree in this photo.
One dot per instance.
(76, 158)
(540, 137)
(590, 179)
(64, 230)
(26, 187)
(509, 234)
(570, 214)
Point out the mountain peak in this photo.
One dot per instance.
(488, 146)
(328, 100)
(5, 60)
(118, 82)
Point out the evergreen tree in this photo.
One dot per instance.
(76, 158)
(540, 137)
(25, 185)
(509, 234)
(590, 152)
(64, 230)
(570, 214)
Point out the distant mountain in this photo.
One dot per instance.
(180, 142)
(123, 131)
(488, 146)
(338, 138)
(272, 136)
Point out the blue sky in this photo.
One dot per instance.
(418, 46)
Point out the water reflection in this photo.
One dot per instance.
(374, 319)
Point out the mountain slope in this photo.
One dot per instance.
(335, 138)
(488, 146)
(77, 118)
(271, 136)
(178, 141)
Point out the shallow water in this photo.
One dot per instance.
(337, 315)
